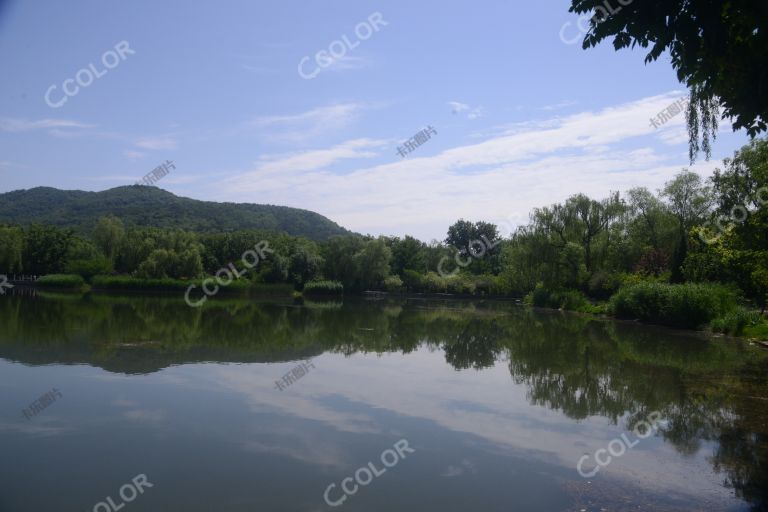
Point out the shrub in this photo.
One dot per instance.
(323, 288)
(460, 284)
(135, 283)
(431, 282)
(393, 283)
(412, 280)
(759, 330)
(735, 321)
(61, 281)
(88, 268)
(571, 300)
(273, 289)
(602, 284)
(689, 305)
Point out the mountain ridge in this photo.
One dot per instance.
(149, 206)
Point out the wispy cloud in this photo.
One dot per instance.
(347, 62)
(558, 106)
(155, 143)
(458, 107)
(24, 125)
(305, 161)
(133, 155)
(305, 125)
(503, 176)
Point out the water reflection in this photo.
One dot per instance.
(598, 377)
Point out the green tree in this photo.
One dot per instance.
(408, 253)
(305, 265)
(741, 190)
(714, 47)
(649, 215)
(589, 219)
(108, 235)
(45, 249)
(11, 249)
(690, 201)
(371, 265)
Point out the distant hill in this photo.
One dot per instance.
(150, 206)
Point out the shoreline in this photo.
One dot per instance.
(277, 293)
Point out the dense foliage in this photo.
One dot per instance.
(714, 47)
(690, 305)
(569, 255)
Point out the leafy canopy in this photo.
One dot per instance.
(718, 49)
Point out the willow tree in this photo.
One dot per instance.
(717, 47)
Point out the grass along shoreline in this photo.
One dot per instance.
(692, 306)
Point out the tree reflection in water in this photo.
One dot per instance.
(706, 390)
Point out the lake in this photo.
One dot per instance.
(145, 404)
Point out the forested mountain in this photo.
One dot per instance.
(154, 207)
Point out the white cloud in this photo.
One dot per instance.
(155, 143)
(305, 125)
(501, 177)
(133, 154)
(673, 135)
(458, 107)
(346, 62)
(558, 106)
(24, 125)
(317, 159)
(476, 113)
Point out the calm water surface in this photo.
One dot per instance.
(498, 404)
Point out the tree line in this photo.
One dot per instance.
(692, 230)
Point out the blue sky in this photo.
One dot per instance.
(523, 119)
